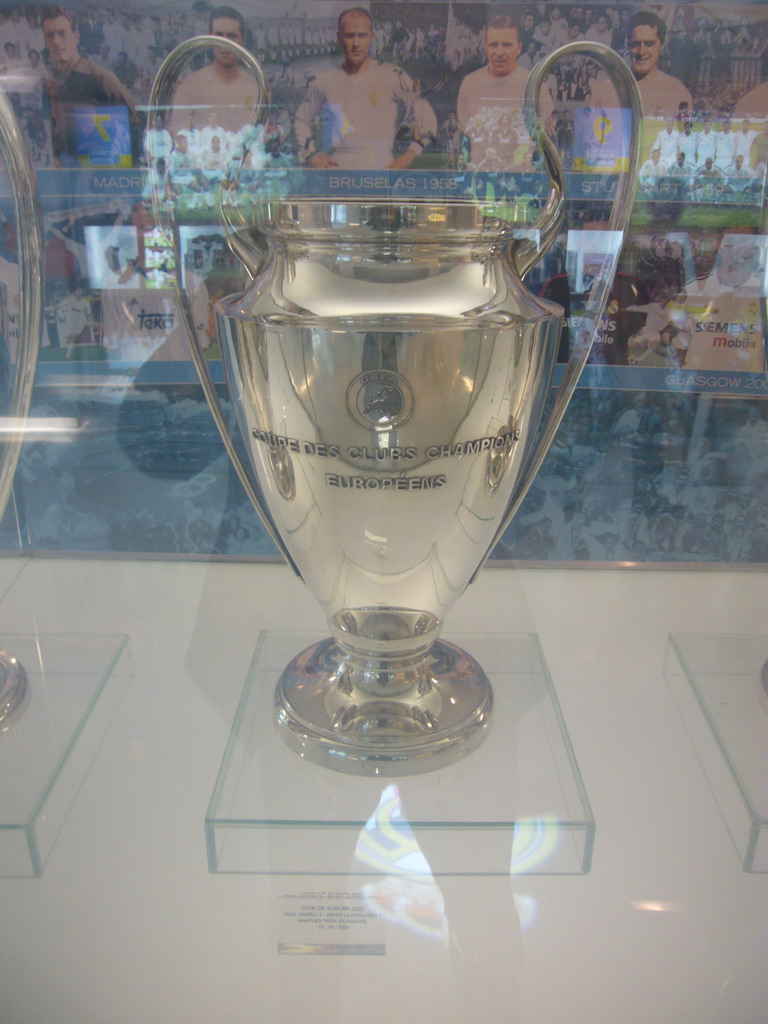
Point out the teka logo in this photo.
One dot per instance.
(156, 321)
(380, 399)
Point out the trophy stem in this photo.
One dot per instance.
(383, 715)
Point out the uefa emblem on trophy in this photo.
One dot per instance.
(390, 377)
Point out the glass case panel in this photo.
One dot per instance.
(727, 721)
(48, 743)
(515, 806)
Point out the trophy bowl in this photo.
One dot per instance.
(388, 375)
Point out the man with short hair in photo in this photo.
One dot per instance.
(494, 94)
(659, 91)
(351, 114)
(223, 86)
(77, 86)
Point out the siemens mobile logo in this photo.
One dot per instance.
(730, 335)
(726, 327)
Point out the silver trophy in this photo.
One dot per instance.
(16, 393)
(388, 374)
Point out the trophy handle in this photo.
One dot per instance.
(29, 241)
(528, 253)
(621, 209)
(161, 100)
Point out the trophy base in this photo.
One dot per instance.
(13, 686)
(435, 714)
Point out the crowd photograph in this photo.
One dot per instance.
(360, 100)
(393, 88)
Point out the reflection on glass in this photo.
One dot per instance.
(408, 894)
(535, 840)
(527, 908)
(657, 906)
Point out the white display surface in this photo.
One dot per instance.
(127, 925)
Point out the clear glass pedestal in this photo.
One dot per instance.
(74, 684)
(515, 805)
(719, 682)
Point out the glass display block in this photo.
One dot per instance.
(48, 744)
(725, 710)
(517, 805)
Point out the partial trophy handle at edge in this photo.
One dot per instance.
(29, 242)
(161, 98)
